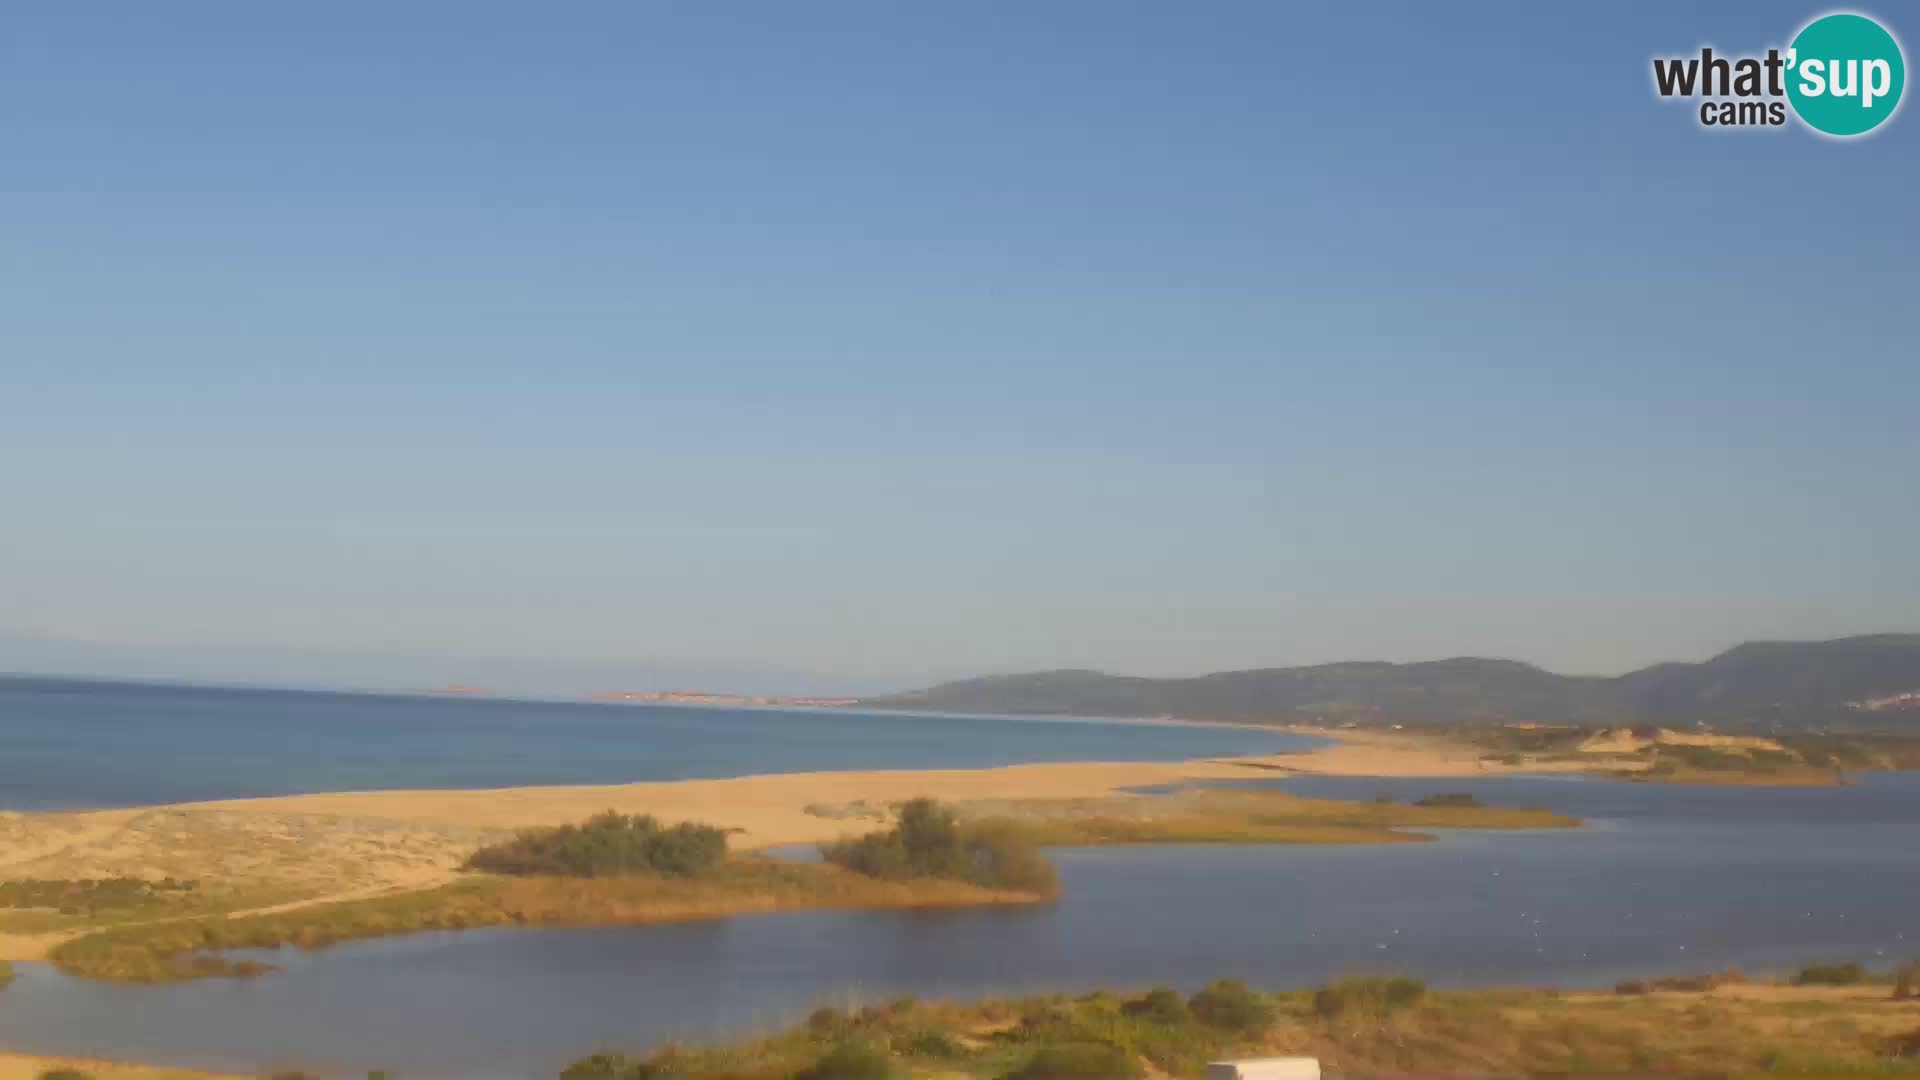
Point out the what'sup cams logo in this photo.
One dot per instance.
(1842, 76)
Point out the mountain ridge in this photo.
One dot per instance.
(1868, 682)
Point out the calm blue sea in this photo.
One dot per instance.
(71, 744)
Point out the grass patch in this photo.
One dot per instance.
(849, 1061)
(188, 948)
(1221, 815)
(1079, 1061)
(91, 896)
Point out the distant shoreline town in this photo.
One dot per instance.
(708, 697)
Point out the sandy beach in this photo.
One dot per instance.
(798, 808)
(284, 852)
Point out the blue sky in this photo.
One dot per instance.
(852, 345)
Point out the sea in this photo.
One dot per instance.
(68, 744)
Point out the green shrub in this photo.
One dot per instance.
(1830, 975)
(1162, 1005)
(608, 845)
(929, 842)
(1696, 983)
(849, 1061)
(295, 1075)
(1078, 1061)
(829, 1023)
(930, 1043)
(6, 974)
(1454, 799)
(65, 1074)
(1228, 1003)
(606, 1067)
(1374, 996)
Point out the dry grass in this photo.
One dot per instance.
(29, 1067)
(1247, 817)
(1492, 1033)
(183, 949)
(240, 861)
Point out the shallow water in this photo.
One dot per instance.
(66, 745)
(1663, 879)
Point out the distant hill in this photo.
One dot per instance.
(1869, 683)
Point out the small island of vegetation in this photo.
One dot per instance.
(612, 869)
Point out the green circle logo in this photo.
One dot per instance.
(1845, 74)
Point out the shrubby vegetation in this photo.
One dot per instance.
(85, 896)
(1693, 984)
(6, 974)
(928, 841)
(1162, 1005)
(1078, 1061)
(610, 1067)
(608, 845)
(1229, 1004)
(849, 1061)
(1358, 1027)
(1368, 997)
(1831, 975)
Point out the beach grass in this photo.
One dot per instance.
(189, 948)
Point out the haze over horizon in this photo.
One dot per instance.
(1149, 341)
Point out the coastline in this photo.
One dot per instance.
(287, 854)
(771, 809)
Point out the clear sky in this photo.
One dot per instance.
(852, 345)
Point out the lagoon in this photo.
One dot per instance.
(1663, 880)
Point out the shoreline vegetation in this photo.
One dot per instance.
(1718, 1025)
(1829, 1020)
(617, 869)
(151, 871)
(613, 869)
(124, 894)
